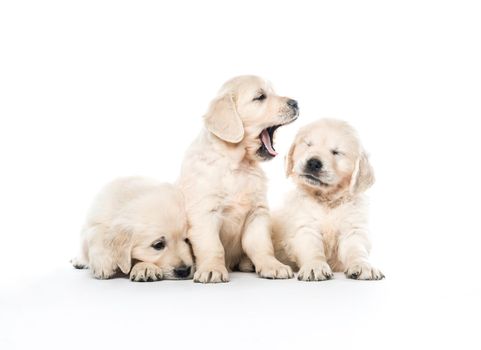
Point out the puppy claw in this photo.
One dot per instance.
(211, 275)
(364, 272)
(315, 272)
(275, 270)
(145, 272)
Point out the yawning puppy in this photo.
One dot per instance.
(224, 186)
(323, 224)
(140, 220)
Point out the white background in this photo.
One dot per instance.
(92, 90)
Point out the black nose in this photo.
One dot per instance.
(182, 271)
(293, 104)
(314, 165)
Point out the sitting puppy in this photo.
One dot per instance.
(323, 224)
(224, 185)
(140, 220)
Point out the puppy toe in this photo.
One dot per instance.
(274, 270)
(377, 274)
(211, 274)
(315, 272)
(363, 272)
(145, 272)
(353, 272)
(103, 272)
(216, 276)
(154, 273)
(285, 272)
(137, 276)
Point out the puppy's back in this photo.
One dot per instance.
(116, 195)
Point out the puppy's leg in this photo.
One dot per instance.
(308, 250)
(108, 249)
(354, 255)
(146, 272)
(102, 263)
(246, 265)
(208, 249)
(257, 244)
(81, 261)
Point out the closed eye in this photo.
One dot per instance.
(260, 97)
(336, 152)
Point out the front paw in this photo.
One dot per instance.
(318, 271)
(363, 271)
(103, 269)
(274, 269)
(145, 272)
(211, 273)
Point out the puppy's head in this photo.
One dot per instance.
(327, 158)
(157, 227)
(247, 113)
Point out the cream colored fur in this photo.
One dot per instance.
(224, 186)
(322, 226)
(128, 216)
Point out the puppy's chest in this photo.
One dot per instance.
(328, 223)
(241, 192)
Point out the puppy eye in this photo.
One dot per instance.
(335, 152)
(308, 143)
(261, 97)
(159, 245)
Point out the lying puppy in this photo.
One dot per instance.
(224, 186)
(140, 220)
(323, 224)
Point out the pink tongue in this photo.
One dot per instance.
(266, 140)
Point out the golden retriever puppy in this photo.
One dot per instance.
(323, 224)
(141, 222)
(224, 186)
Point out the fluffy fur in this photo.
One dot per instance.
(137, 221)
(224, 186)
(323, 224)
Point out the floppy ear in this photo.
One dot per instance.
(223, 120)
(363, 175)
(289, 161)
(121, 246)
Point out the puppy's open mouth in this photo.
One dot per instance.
(267, 140)
(267, 150)
(311, 179)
